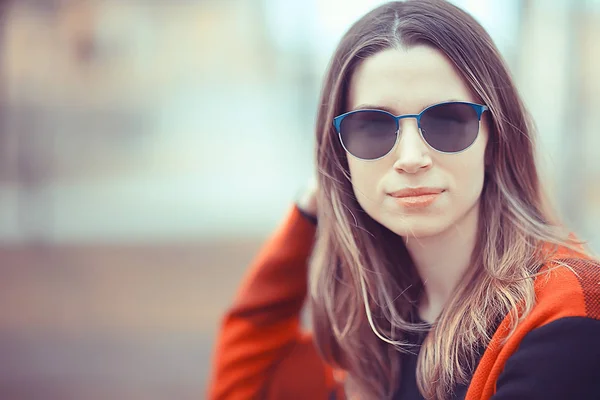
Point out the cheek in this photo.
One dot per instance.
(468, 171)
(365, 177)
(469, 179)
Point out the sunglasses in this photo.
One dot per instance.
(371, 134)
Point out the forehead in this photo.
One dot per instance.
(406, 80)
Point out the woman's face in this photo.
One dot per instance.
(405, 81)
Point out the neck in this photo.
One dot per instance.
(442, 261)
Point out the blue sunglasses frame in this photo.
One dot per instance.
(337, 121)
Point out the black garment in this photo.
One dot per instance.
(408, 380)
(558, 361)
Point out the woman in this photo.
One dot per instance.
(438, 270)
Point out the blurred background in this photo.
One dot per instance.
(147, 148)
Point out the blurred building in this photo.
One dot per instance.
(558, 72)
(204, 110)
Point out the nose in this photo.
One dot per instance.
(412, 153)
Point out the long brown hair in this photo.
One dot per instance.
(364, 286)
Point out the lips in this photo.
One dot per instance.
(416, 198)
(415, 192)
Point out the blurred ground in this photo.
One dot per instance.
(113, 322)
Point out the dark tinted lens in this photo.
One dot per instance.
(450, 127)
(368, 134)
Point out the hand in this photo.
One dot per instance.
(308, 199)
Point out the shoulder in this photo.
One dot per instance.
(554, 352)
(568, 286)
(567, 296)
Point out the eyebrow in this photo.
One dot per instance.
(373, 107)
(391, 111)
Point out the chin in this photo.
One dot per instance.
(419, 228)
(418, 232)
